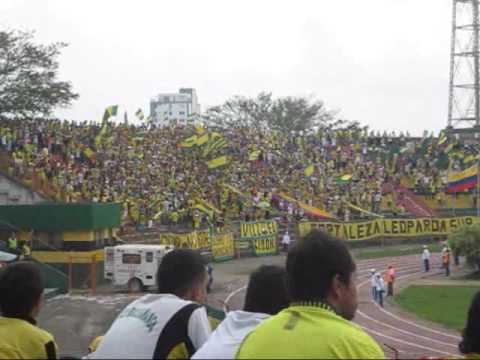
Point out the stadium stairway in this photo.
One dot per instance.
(412, 203)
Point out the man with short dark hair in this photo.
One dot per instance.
(171, 324)
(21, 289)
(321, 281)
(266, 295)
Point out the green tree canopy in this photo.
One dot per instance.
(466, 241)
(29, 84)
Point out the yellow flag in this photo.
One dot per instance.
(215, 163)
(254, 155)
(189, 142)
(200, 129)
(89, 153)
(309, 170)
(201, 140)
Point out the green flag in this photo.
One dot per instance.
(109, 112)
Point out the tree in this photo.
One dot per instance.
(284, 114)
(28, 76)
(466, 241)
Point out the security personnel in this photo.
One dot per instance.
(21, 290)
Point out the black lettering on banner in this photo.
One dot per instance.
(403, 227)
(360, 231)
(426, 225)
(435, 226)
(469, 221)
(378, 228)
(337, 230)
(410, 226)
(394, 227)
(419, 227)
(369, 229)
(453, 224)
(385, 227)
(443, 226)
(352, 232)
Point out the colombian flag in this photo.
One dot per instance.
(463, 180)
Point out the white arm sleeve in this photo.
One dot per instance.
(199, 328)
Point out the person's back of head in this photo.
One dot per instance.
(183, 272)
(470, 343)
(321, 269)
(267, 290)
(21, 288)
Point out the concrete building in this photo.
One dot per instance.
(165, 108)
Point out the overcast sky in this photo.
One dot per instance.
(382, 62)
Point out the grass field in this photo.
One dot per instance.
(391, 251)
(447, 305)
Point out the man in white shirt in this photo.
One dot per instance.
(373, 283)
(380, 285)
(426, 258)
(286, 241)
(266, 295)
(171, 324)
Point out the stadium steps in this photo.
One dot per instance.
(412, 203)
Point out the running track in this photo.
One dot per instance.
(392, 328)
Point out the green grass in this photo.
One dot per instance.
(447, 305)
(392, 251)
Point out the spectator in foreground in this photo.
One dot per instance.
(470, 344)
(171, 324)
(266, 295)
(321, 282)
(21, 289)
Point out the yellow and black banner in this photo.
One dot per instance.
(256, 229)
(262, 235)
(265, 246)
(390, 227)
(195, 240)
(222, 246)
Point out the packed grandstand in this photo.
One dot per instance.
(198, 174)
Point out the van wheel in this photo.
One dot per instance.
(135, 285)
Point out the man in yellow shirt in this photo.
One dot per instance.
(321, 279)
(20, 298)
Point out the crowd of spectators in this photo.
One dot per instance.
(147, 170)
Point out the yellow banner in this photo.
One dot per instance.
(266, 246)
(251, 230)
(222, 247)
(389, 227)
(194, 240)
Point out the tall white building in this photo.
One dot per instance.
(165, 108)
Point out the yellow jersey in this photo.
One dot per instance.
(21, 339)
(309, 332)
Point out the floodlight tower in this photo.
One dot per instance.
(464, 99)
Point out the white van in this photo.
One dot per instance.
(134, 265)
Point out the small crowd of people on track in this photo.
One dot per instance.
(308, 305)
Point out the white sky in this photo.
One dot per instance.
(384, 63)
